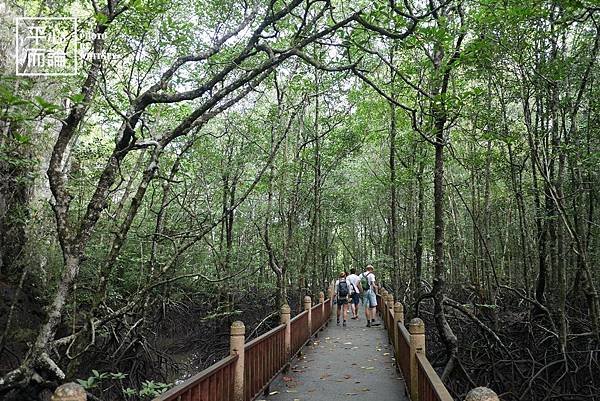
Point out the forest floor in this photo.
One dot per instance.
(340, 364)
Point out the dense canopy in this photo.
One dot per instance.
(211, 160)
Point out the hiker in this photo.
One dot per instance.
(367, 283)
(355, 290)
(342, 290)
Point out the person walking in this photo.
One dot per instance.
(342, 290)
(355, 290)
(369, 286)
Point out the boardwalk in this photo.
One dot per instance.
(343, 363)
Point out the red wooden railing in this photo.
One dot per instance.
(264, 357)
(214, 383)
(328, 307)
(431, 387)
(403, 353)
(390, 324)
(316, 317)
(300, 333)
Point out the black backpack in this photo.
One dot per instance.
(343, 289)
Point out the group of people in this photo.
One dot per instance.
(351, 289)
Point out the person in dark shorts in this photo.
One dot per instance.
(354, 281)
(342, 291)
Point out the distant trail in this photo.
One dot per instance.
(343, 363)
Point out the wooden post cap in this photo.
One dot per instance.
(69, 392)
(321, 296)
(398, 308)
(237, 328)
(482, 394)
(285, 309)
(307, 299)
(416, 326)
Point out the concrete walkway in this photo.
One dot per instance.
(343, 363)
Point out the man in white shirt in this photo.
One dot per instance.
(354, 282)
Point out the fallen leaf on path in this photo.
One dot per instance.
(274, 392)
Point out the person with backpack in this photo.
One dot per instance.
(367, 283)
(342, 290)
(355, 290)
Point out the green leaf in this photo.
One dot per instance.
(47, 106)
(77, 98)
(101, 18)
(21, 138)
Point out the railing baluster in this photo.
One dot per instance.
(204, 391)
(196, 393)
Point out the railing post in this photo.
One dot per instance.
(398, 319)
(416, 328)
(399, 312)
(389, 304)
(236, 346)
(482, 394)
(285, 319)
(380, 308)
(307, 306)
(69, 392)
(322, 302)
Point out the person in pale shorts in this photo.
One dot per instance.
(369, 298)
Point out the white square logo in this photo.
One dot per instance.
(46, 46)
